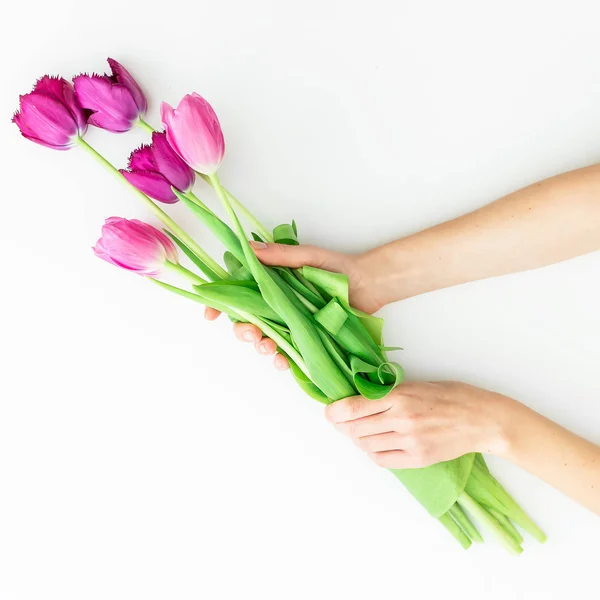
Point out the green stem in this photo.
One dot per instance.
(459, 516)
(495, 529)
(159, 212)
(450, 524)
(145, 125)
(256, 224)
(191, 196)
(181, 270)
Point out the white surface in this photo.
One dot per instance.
(144, 453)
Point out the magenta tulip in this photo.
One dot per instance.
(156, 168)
(135, 246)
(116, 100)
(194, 132)
(51, 115)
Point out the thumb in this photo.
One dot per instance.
(283, 255)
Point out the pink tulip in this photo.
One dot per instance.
(194, 132)
(116, 100)
(154, 169)
(51, 115)
(135, 246)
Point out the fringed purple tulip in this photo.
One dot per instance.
(135, 246)
(156, 168)
(116, 100)
(51, 115)
(194, 132)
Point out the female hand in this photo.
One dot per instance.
(363, 292)
(419, 424)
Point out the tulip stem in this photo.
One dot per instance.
(191, 196)
(237, 205)
(181, 270)
(160, 213)
(145, 125)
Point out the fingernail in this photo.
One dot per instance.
(248, 336)
(263, 349)
(258, 245)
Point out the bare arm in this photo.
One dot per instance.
(542, 224)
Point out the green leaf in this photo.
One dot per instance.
(239, 296)
(336, 285)
(232, 264)
(289, 277)
(306, 384)
(323, 371)
(285, 234)
(332, 317)
(220, 230)
(257, 237)
(369, 389)
(197, 261)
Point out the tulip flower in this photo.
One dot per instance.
(135, 246)
(116, 100)
(156, 168)
(51, 115)
(194, 132)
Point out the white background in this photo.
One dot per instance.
(146, 455)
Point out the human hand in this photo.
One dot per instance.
(363, 292)
(419, 424)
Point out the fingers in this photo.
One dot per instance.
(246, 332)
(280, 362)
(210, 314)
(355, 407)
(382, 442)
(298, 256)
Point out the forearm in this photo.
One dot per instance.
(564, 460)
(545, 223)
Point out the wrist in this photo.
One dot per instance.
(396, 271)
(513, 419)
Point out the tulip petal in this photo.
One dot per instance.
(63, 91)
(46, 120)
(122, 76)
(113, 106)
(194, 132)
(152, 184)
(142, 159)
(170, 165)
(135, 246)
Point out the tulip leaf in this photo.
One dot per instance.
(285, 234)
(238, 296)
(308, 387)
(197, 261)
(232, 264)
(321, 367)
(257, 237)
(368, 388)
(220, 230)
(332, 317)
(336, 285)
(289, 277)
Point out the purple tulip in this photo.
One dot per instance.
(51, 115)
(154, 169)
(194, 132)
(135, 246)
(116, 100)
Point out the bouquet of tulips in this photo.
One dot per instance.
(334, 350)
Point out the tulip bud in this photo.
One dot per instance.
(135, 246)
(194, 132)
(51, 115)
(116, 100)
(156, 168)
